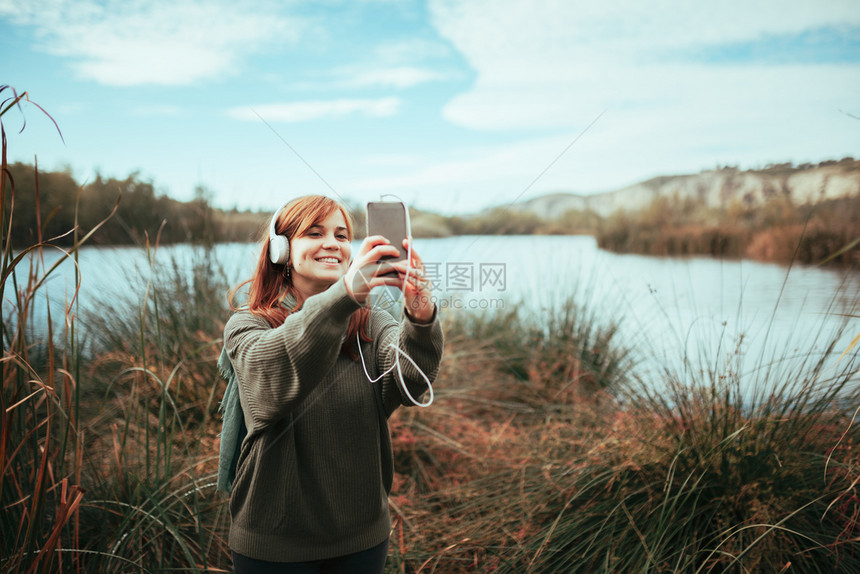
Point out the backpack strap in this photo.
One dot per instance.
(233, 430)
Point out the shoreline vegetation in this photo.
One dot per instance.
(544, 452)
(770, 225)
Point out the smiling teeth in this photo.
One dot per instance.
(328, 260)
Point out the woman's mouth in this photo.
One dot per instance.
(330, 260)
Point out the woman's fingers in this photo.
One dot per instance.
(414, 271)
(417, 263)
(406, 247)
(371, 242)
(361, 276)
(365, 278)
(378, 252)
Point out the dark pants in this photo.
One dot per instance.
(371, 561)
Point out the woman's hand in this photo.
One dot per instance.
(365, 273)
(419, 300)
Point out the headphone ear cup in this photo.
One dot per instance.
(279, 249)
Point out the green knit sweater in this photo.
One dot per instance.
(314, 471)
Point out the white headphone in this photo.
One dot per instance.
(279, 245)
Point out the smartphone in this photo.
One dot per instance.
(388, 219)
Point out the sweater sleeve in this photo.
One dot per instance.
(277, 367)
(422, 342)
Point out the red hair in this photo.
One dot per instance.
(270, 284)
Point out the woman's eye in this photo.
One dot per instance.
(342, 237)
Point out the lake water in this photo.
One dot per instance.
(667, 306)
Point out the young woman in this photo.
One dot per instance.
(315, 469)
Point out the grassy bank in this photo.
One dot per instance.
(543, 453)
(779, 231)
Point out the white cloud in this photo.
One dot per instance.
(167, 42)
(762, 117)
(539, 64)
(304, 111)
(392, 64)
(394, 77)
(549, 67)
(364, 76)
(398, 64)
(411, 49)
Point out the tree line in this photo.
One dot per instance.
(49, 204)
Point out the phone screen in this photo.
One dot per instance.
(388, 219)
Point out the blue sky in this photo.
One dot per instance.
(452, 105)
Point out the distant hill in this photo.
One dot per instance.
(803, 184)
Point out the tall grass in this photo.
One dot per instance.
(40, 448)
(556, 354)
(722, 482)
(703, 476)
(108, 461)
(154, 361)
(170, 315)
(517, 393)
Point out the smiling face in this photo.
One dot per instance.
(320, 256)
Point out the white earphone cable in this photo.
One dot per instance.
(398, 350)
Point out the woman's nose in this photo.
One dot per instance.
(330, 242)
